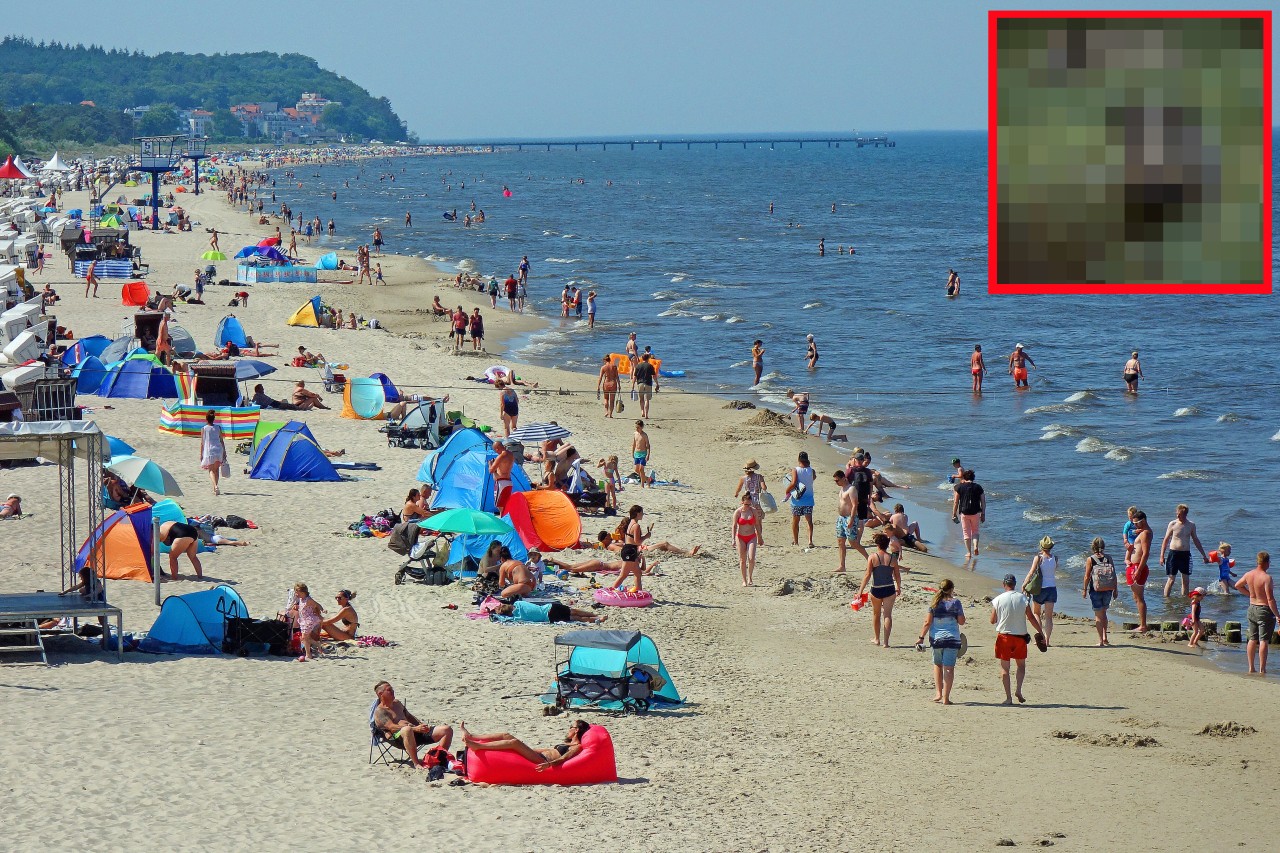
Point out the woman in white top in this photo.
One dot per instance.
(1042, 602)
(753, 483)
(213, 453)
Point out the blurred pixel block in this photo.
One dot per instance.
(1130, 152)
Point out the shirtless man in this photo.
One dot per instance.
(1262, 612)
(1018, 361)
(953, 283)
(607, 383)
(500, 468)
(633, 349)
(403, 728)
(977, 367)
(1136, 571)
(1132, 373)
(801, 402)
(640, 449)
(847, 527)
(305, 399)
(1175, 550)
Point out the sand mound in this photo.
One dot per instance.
(766, 418)
(739, 404)
(1126, 739)
(1227, 728)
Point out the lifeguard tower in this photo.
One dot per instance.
(157, 155)
(195, 152)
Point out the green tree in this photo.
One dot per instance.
(159, 120)
(225, 126)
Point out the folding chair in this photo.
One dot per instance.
(382, 749)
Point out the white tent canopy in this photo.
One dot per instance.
(23, 167)
(45, 438)
(56, 164)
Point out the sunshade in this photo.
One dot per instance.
(117, 447)
(142, 473)
(536, 433)
(211, 255)
(130, 183)
(270, 241)
(463, 520)
(251, 369)
(11, 171)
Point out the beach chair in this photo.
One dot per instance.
(382, 749)
(333, 382)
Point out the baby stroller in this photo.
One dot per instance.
(425, 558)
(420, 427)
(609, 670)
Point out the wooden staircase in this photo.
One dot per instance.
(24, 640)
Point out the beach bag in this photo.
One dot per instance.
(1104, 573)
(226, 469)
(767, 502)
(1032, 587)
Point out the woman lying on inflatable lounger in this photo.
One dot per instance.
(544, 758)
(526, 611)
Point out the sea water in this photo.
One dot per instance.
(680, 247)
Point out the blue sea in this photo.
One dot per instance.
(681, 247)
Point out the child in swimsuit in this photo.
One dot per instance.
(306, 614)
(612, 480)
(1225, 575)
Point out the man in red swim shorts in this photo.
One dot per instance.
(1010, 613)
(1018, 361)
(1136, 571)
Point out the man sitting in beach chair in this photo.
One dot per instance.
(400, 728)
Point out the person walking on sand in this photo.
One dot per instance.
(460, 325)
(1042, 585)
(1175, 550)
(942, 626)
(745, 533)
(752, 483)
(1136, 571)
(847, 529)
(508, 407)
(1010, 613)
(800, 493)
(1100, 587)
(977, 367)
(969, 508)
(1018, 361)
(757, 359)
(213, 452)
(607, 384)
(213, 240)
(644, 381)
(1132, 373)
(886, 585)
(1262, 613)
(633, 348)
(91, 279)
(640, 450)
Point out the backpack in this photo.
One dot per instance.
(1104, 573)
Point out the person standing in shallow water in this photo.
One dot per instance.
(757, 359)
(1132, 373)
(1018, 361)
(977, 367)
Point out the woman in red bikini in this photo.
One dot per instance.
(744, 536)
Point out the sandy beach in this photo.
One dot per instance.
(798, 733)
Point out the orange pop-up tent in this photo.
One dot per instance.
(545, 520)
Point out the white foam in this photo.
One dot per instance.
(1054, 407)
(712, 318)
(679, 277)
(1081, 396)
(1036, 516)
(1186, 411)
(667, 294)
(564, 260)
(809, 305)
(1276, 437)
(1058, 431)
(735, 320)
(1228, 418)
(1187, 474)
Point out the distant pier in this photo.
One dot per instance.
(660, 144)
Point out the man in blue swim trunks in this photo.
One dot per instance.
(848, 525)
(640, 449)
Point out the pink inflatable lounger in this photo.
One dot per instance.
(593, 765)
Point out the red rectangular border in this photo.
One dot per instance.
(992, 128)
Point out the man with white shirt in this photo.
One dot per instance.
(1010, 613)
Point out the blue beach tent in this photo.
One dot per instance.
(229, 332)
(291, 454)
(389, 389)
(460, 441)
(89, 374)
(467, 482)
(139, 378)
(328, 262)
(83, 348)
(195, 623)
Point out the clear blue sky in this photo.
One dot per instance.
(498, 68)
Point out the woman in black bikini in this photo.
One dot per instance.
(342, 626)
(182, 538)
(508, 406)
(544, 758)
(886, 585)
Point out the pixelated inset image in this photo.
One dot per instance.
(1130, 151)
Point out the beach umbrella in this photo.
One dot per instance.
(11, 171)
(142, 473)
(463, 520)
(117, 447)
(212, 255)
(538, 433)
(251, 369)
(130, 183)
(247, 252)
(270, 241)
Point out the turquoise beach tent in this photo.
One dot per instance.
(459, 441)
(613, 653)
(229, 332)
(89, 374)
(328, 262)
(459, 471)
(195, 623)
(291, 454)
